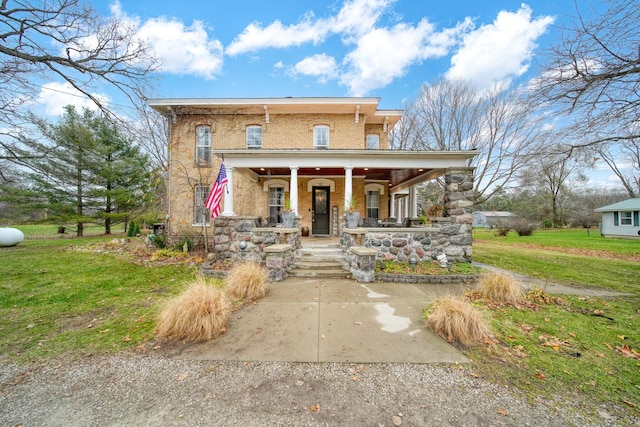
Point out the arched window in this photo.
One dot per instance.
(321, 137)
(373, 142)
(373, 204)
(254, 137)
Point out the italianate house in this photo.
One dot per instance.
(317, 157)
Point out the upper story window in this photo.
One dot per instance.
(203, 145)
(321, 137)
(254, 136)
(373, 142)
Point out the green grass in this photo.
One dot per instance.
(588, 260)
(587, 368)
(56, 299)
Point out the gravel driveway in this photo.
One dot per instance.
(155, 390)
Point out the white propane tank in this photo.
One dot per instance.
(10, 236)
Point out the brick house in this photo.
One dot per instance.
(314, 152)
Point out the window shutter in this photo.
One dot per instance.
(636, 220)
(615, 218)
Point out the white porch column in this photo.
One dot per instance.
(293, 189)
(392, 214)
(414, 201)
(228, 194)
(348, 185)
(405, 210)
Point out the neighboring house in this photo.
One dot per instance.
(491, 219)
(315, 152)
(621, 219)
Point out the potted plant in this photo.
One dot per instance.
(352, 214)
(287, 214)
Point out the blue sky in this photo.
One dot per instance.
(381, 48)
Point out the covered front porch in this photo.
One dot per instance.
(319, 184)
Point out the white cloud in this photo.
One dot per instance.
(383, 55)
(355, 18)
(256, 37)
(55, 96)
(322, 66)
(181, 49)
(501, 50)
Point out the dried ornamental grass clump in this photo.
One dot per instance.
(247, 281)
(456, 320)
(200, 313)
(500, 287)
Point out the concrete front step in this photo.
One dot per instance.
(320, 259)
(334, 274)
(317, 265)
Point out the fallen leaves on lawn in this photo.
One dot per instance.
(628, 352)
(553, 342)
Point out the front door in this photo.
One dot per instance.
(320, 211)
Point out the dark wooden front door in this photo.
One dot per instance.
(320, 211)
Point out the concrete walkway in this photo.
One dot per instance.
(333, 320)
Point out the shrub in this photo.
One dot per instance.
(131, 230)
(159, 241)
(455, 319)
(183, 240)
(523, 227)
(247, 280)
(200, 313)
(499, 287)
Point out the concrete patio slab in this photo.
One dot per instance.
(326, 320)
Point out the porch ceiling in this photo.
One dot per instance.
(400, 168)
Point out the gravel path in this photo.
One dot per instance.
(153, 390)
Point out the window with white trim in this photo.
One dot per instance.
(254, 137)
(203, 145)
(276, 202)
(373, 142)
(373, 204)
(201, 214)
(321, 137)
(625, 218)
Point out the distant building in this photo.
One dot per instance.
(621, 219)
(491, 219)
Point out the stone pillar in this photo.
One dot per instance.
(459, 199)
(228, 194)
(293, 189)
(348, 185)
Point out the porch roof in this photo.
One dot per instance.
(401, 168)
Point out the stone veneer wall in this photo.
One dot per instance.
(230, 231)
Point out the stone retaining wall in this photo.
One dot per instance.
(421, 243)
(231, 231)
(445, 279)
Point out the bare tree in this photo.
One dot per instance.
(551, 173)
(593, 75)
(66, 40)
(453, 115)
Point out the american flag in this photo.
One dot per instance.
(215, 196)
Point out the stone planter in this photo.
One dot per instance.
(352, 219)
(287, 219)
